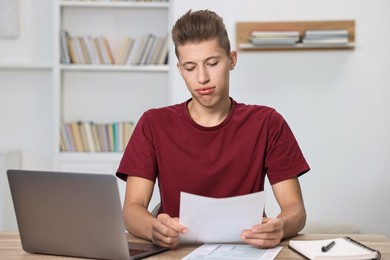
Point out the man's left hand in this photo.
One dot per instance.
(268, 234)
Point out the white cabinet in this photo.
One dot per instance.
(106, 93)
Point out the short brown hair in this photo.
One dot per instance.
(202, 25)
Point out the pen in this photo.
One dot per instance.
(327, 247)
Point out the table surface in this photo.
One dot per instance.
(11, 248)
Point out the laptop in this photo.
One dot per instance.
(72, 214)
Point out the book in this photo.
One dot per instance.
(141, 46)
(65, 140)
(163, 53)
(102, 53)
(156, 51)
(106, 49)
(342, 248)
(72, 50)
(127, 131)
(338, 37)
(84, 50)
(326, 41)
(274, 34)
(326, 33)
(65, 55)
(274, 37)
(125, 51)
(69, 136)
(148, 50)
(96, 138)
(88, 136)
(78, 141)
(274, 41)
(93, 50)
(98, 50)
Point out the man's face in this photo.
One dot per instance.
(205, 69)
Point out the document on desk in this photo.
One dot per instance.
(232, 251)
(219, 220)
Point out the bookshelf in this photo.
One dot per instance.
(105, 93)
(244, 29)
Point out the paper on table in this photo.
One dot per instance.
(232, 251)
(219, 220)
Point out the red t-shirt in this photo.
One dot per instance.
(226, 160)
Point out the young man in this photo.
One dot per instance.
(210, 145)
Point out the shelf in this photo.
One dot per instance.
(114, 4)
(106, 92)
(25, 66)
(82, 157)
(244, 29)
(298, 46)
(113, 68)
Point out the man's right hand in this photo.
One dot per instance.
(166, 230)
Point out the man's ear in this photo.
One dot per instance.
(233, 59)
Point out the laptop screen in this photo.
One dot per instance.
(73, 214)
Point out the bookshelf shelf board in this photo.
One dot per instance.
(128, 68)
(87, 156)
(25, 66)
(114, 4)
(244, 29)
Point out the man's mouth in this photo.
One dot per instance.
(205, 90)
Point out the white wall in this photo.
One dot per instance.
(34, 40)
(335, 101)
(26, 117)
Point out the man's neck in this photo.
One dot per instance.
(209, 116)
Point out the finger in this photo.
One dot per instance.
(261, 240)
(162, 226)
(262, 243)
(172, 223)
(163, 235)
(165, 241)
(268, 226)
(249, 234)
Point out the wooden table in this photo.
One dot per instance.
(11, 248)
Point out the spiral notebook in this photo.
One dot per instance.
(343, 248)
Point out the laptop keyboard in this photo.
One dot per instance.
(137, 251)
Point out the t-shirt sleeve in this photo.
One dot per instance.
(139, 158)
(284, 159)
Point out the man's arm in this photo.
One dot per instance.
(293, 214)
(288, 223)
(163, 230)
(138, 220)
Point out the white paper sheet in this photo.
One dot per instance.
(211, 220)
(232, 251)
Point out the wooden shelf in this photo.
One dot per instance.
(244, 29)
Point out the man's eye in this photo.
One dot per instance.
(213, 64)
(190, 68)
